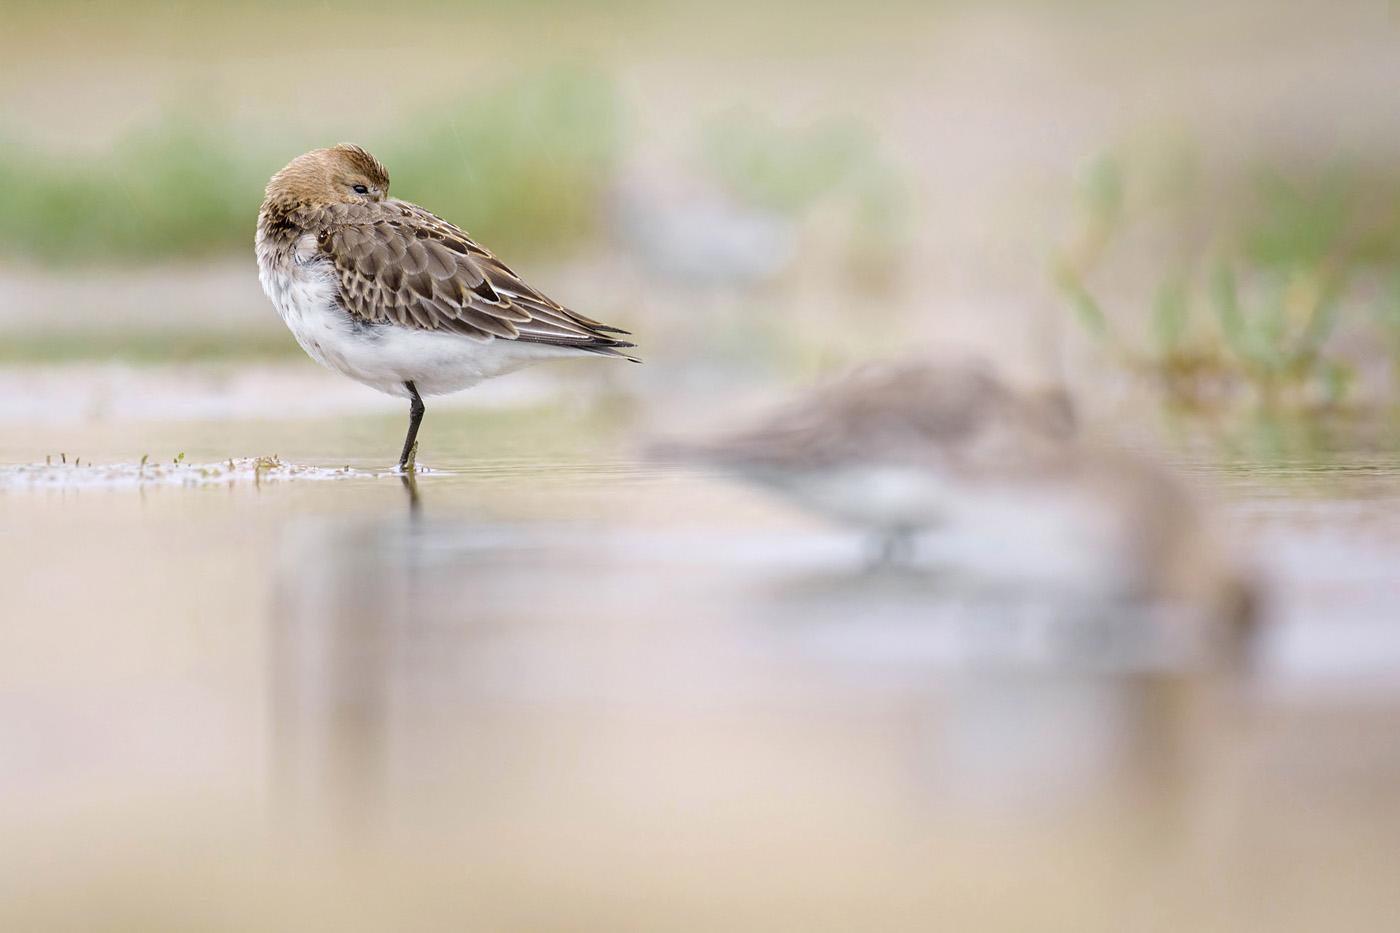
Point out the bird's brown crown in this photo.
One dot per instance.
(340, 174)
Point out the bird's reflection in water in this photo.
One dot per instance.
(950, 617)
(409, 478)
(1031, 698)
(345, 607)
(521, 672)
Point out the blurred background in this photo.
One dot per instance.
(578, 691)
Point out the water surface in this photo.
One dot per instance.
(572, 690)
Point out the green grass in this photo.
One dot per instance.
(1258, 269)
(523, 165)
(178, 189)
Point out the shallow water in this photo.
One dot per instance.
(572, 691)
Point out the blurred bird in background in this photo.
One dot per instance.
(898, 448)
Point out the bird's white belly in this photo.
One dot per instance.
(385, 356)
(1024, 531)
(880, 496)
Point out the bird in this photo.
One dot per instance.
(892, 445)
(898, 447)
(397, 298)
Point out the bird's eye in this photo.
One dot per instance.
(361, 189)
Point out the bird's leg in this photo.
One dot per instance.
(409, 456)
(896, 546)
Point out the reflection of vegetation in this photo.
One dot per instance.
(1257, 276)
(1297, 450)
(834, 162)
(522, 166)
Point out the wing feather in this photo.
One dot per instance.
(400, 264)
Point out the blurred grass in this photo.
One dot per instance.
(1255, 272)
(785, 168)
(181, 188)
(523, 165)
(834, 164)
(145, 347)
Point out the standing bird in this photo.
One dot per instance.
(898, 447)
(394, 296)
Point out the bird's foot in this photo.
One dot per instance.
(896, 549)
(409, 464)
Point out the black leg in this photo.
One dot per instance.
(415, 417)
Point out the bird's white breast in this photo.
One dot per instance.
(304, 288)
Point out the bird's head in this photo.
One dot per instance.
(344, 174)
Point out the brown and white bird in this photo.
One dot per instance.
(897, 447)
(394, 296)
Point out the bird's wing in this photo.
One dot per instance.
(894, 410)
(398, 263)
